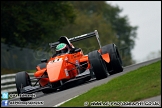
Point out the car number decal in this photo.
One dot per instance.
(56, 60)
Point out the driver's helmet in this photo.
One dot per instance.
(62, 48)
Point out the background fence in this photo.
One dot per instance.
(25, 59)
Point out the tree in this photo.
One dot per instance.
(105, 18)
(33, 23)
(84, 24)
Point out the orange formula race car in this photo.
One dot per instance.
(70, 66)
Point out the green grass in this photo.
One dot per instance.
(9, 71)
(31, 71)
(136, 85)
(12, 71)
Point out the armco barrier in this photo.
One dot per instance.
(8, 82)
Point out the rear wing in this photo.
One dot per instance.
(81, 37)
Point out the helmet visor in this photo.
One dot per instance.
(65, 50)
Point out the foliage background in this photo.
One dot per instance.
(33, 24)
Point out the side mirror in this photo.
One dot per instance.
(43, 60)
(77, 50)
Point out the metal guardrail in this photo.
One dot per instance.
(8, 82)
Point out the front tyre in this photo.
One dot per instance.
(22, 79)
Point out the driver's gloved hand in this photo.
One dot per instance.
(72, 50)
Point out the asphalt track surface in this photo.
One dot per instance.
(54, 99)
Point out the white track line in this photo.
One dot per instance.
(65, 101)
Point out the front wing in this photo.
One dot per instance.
(79, 78)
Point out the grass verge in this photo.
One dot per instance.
(136, 85)
(12, 71)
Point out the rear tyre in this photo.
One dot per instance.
(115, 60)
(22, 79)
(98, 65)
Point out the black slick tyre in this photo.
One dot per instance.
(98, 65)
(22, 79)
